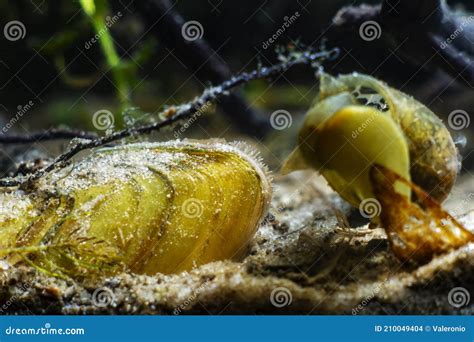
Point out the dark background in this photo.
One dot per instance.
(68, 94)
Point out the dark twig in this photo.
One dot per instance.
(424, 30)
(433, 27)
(183, 111)
(164, 21)
(52, 134)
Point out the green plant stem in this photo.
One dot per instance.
(108, 48)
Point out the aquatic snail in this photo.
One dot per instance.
(358, 122)
(146, 208)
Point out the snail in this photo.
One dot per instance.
(357, 121)
(146, 208)
(380, 148)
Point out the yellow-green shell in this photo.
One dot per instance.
(342, 138)
(161, 207)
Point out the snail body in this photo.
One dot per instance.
(155, 207)
(416, 230)
(387, 154)
(358, 121)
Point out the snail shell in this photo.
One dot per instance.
(357, 121)
(153, 207)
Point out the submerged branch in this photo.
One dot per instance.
(201, 58)
(183, 111)
(52, 134)
(435, 35)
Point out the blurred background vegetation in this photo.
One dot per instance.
(68, 81)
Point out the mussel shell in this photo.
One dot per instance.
(156, 207)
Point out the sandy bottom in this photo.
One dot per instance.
(306, 259)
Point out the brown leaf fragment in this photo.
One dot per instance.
(417, 228)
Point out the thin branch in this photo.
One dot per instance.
(162, 19)
(436, 33)
(52, 134)
(183, 111)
